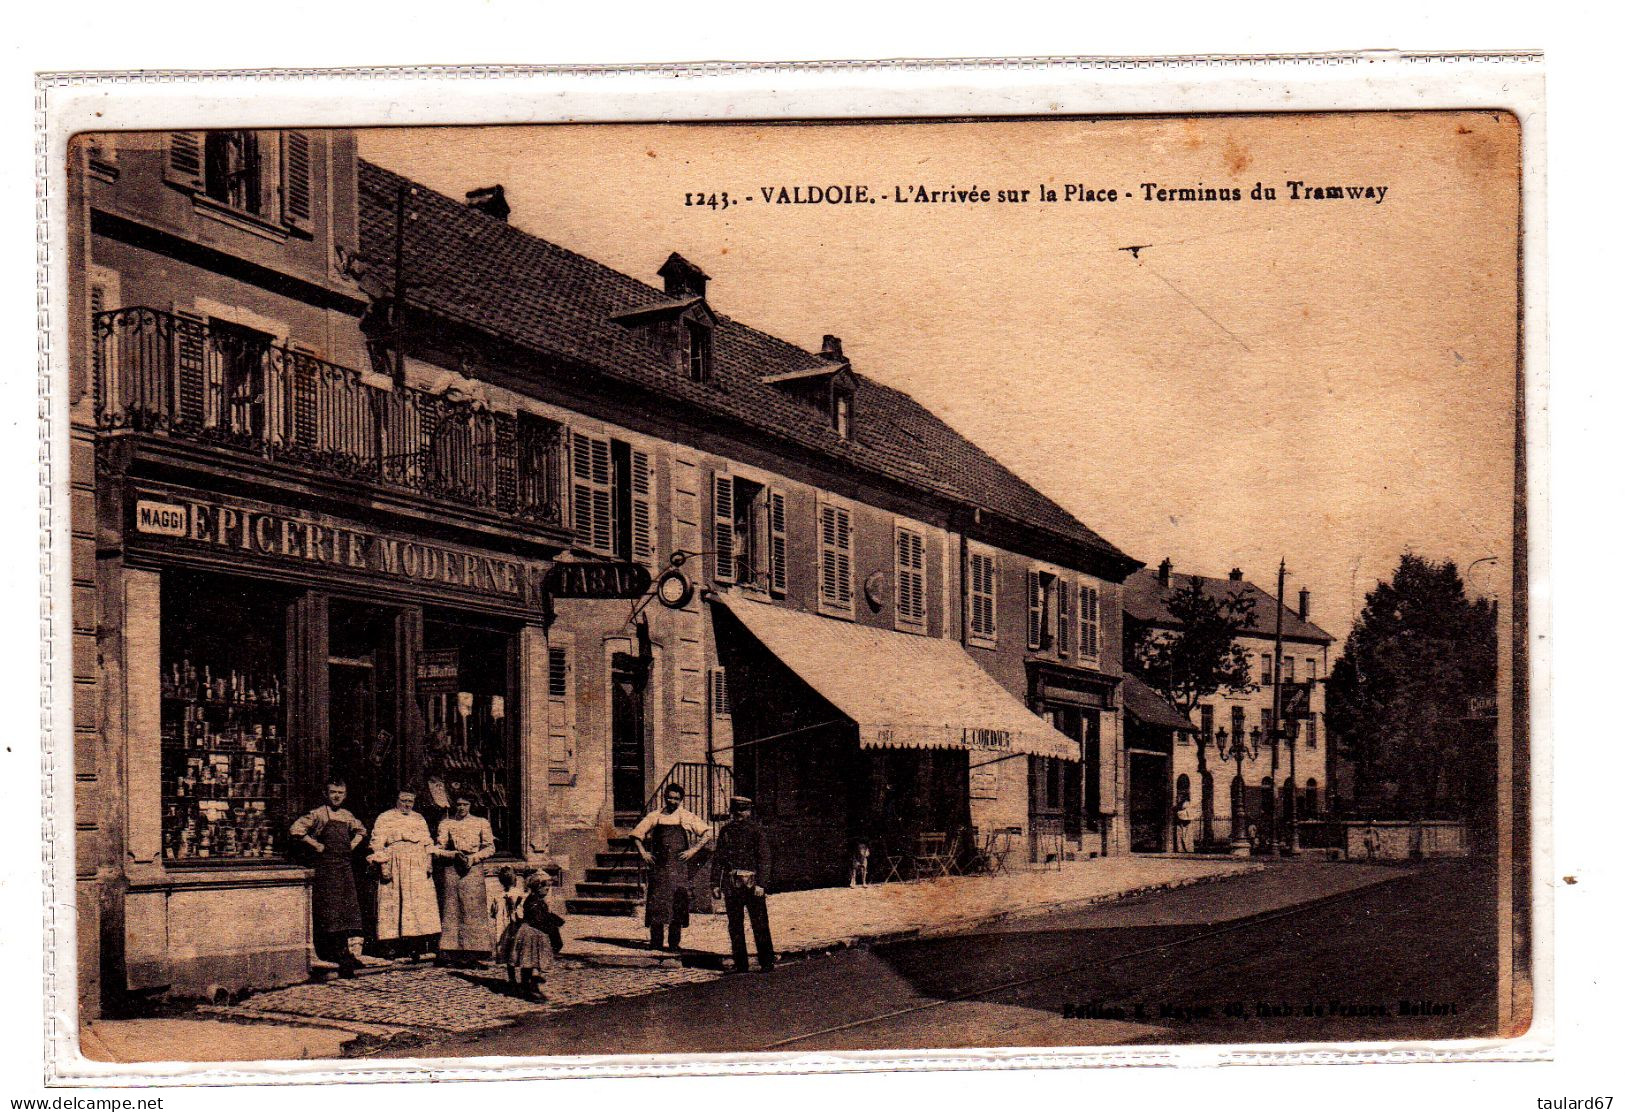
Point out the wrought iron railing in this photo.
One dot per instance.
(707, 790)
(225, 386)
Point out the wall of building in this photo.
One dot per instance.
(1311, 760)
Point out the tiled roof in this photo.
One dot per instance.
(480, 271)
(1145, 599)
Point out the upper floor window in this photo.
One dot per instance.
(1287, 669)
(699, 350)
(613, 497)
(835, 557)
(840, 414)
(749, 533)
(1309, 664)
(1238, 722)
(982, 618)
(1207, 721)
(267, 175)
(1266, 669)
(232, 170)
(910, 579)
(1040, 610)
(1311, 732)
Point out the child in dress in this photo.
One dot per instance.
(506, 910)
(531, 953)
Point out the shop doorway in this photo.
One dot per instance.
(629, 749)
(363, 686)
(1148, 802)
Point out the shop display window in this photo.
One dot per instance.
(223, 734)
(465, 693)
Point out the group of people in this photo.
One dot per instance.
(410, 911)
(671, 838)
(516, 927)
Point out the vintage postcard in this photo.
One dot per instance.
(693, 586)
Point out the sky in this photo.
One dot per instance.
(1328, 381)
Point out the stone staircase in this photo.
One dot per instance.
(613, 883)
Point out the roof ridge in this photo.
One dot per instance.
(514, 284)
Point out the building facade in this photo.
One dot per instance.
(332, 434)
(1246, 786)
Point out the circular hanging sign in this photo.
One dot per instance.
(874, 589)
(673, 589)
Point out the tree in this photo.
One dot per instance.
(1418, 660)
(1195, 661)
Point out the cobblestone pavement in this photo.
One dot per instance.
(431, 999)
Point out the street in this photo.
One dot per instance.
(1245, 960)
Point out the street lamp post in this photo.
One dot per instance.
(1237, 749)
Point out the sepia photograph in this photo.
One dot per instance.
(798, 585)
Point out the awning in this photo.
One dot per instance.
(903, 691)
(1148, 708)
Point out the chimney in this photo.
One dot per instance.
(683, 278)
(489, 200)
(832, 349)
(1165, 571)
(1303, 604)
(1235, 575)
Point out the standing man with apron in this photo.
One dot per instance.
(667, 840)
(332, 834)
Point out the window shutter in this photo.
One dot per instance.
(1035, 612)
(643, 524)
(1063, 617)
(722, 516)
(910, 578)
(183, 159)
(1089, 621)
(778, 544)
(592, 493)
(297, 186)
(560, 728)
(835, 556)
(721, 706)
(189, 347)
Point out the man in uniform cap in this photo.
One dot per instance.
(744, 865)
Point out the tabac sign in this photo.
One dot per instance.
(253, 534)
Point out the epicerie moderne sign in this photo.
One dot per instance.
(268, 534)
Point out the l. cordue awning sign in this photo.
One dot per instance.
(249, 533)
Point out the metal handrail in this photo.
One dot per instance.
(174, 376)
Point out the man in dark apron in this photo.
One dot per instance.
(667, 840)
(331, 834)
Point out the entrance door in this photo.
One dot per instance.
(629, 682)
(363, 682)
(1148, 802)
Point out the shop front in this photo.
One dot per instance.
(267, 650)
(849, 735)
(1149, 737)
(1069, 811)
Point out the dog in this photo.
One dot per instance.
(860, 867)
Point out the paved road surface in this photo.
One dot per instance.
(1245, 960)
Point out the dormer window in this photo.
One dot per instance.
(840, 413)
(699, 350)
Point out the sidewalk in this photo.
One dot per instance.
(608, 957)
(822, 919)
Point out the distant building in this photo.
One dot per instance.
(1267, 777)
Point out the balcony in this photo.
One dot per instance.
(230, 389)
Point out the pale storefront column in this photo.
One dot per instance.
(533, 743)
(143, 784)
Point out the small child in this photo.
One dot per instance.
(507, 909)
(531, 953)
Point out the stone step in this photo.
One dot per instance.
(618, 861)
(614, 875)
(601, 906)
(590, 890)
